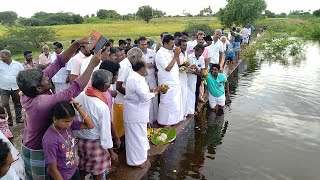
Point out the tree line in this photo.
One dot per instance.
(145, 13)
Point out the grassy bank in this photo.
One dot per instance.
(304, 27)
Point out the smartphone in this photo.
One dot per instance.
(96, 41)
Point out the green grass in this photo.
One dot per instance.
(121, 29)
(135, 28)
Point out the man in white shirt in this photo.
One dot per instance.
(245, 33)
(9, 70)
(133, 55)
(191, 44)
(198, 65)
(215, 50)
(168, 73)
(95, 145)
(159, 45)
(60, 79)
(136, 115)
(83, 55)
(149, 58)
(183, 78)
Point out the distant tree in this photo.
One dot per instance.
(269, 14)
(49, 19)
(316, 13)
(108, 14)
(41, 15)
(77, 19)
(282, 15)
(128, 16)
(241, 12)
(101, 14)
(8, 17)
(93, 15)
(206, 12)
(145, 13)
(30, 21)
(158, 13)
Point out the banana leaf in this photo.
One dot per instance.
(171, 135)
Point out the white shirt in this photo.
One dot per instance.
(190, 46)
(124, 71)
(214, 50)
(137, 99)
(163, 59)
(245, 32)
(229, 35)
(8, 75)
(225, 44)
(77, 61)
(198, 62)
(62, 74)
(149, 57)
(17, 167)
(183, 57)
(85, 65)
(99, 113)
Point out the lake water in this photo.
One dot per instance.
(271, 130)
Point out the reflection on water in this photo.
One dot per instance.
(271, 130)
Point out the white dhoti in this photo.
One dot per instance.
(184, 94)
(153, 112)
(169, 107)
(192, 83)
(60, 86)
(137, 143)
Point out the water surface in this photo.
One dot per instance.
(271, 130)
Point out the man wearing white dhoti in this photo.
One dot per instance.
(197, 65)
(133, 55)
(168, 73)
(182, 43)
(136, 115)
(149, 56)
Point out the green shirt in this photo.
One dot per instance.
(216, 86)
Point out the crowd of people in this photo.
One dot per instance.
(79, 105)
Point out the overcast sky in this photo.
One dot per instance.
(27, 8)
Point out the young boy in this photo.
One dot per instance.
(216, 83)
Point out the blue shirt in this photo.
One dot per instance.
(216, 86)
(238, 37)
(230, 49)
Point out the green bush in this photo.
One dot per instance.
(192, 28)
(19, 39)
(93, 20)
(50, 19)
